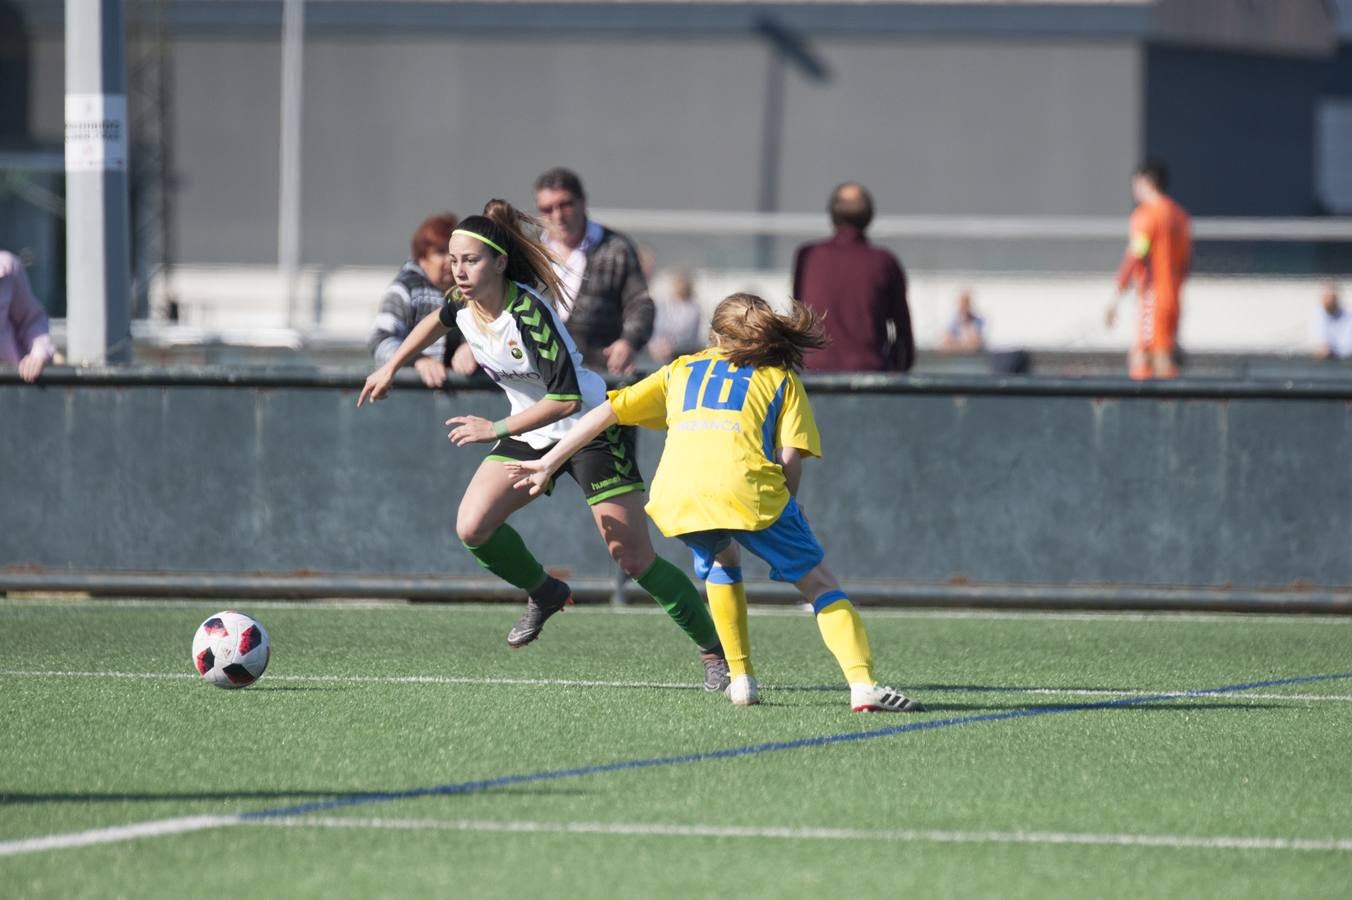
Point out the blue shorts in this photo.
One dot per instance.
(789, 545)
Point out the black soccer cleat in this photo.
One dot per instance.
(716, 677)
(532, 621)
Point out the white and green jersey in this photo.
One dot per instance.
(531, 356)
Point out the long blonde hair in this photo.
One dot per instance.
(751, 333)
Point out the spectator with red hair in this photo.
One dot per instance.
(417, 291)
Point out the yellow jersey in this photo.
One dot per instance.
(725, 426)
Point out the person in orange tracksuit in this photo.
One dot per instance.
(1158, 256)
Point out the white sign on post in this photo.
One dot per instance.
(96, 133)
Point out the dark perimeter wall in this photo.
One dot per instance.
(931, 482)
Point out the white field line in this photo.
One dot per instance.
(114, 834)
(119, 833)
(666, 685)
(641, 608)
(378, 679)
(1219, 842)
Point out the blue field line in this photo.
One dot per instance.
(469, 787)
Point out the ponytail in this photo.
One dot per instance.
(750, 333)
(528, 260)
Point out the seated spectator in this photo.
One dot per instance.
(1332, 327)
(24, 340)
(647, 261)
(966, 330)
(678, 328)
(417, 291)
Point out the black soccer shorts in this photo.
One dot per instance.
(605, 467)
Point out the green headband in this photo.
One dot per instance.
(480, 238)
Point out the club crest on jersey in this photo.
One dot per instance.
(515, 349)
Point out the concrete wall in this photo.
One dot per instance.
(400, 125)
(1272, 316)
(647, 121)
(926, 481)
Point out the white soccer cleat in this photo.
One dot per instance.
(876, 698)
(742, 691)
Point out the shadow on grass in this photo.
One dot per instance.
(1087, 692)
(1156, 706)
(1093, 698)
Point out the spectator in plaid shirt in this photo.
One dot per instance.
(417, 291)
(608, 309)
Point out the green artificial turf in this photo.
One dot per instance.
(793, 816)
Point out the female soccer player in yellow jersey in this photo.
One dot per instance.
(521, 344)
(738, 424)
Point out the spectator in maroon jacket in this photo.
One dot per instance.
(859, 290)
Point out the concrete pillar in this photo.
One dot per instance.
(98, 258)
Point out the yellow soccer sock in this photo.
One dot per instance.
(844, 634)
(727, 605)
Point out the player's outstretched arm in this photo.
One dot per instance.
(422, 336)
(534, 476)
(377, 386)
(477, 430)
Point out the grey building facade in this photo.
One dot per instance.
(941, 108)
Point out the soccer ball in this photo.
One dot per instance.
(231, 650)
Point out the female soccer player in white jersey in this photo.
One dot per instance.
(738, 424)
(522, 345)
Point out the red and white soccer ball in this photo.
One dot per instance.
(231, 650)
